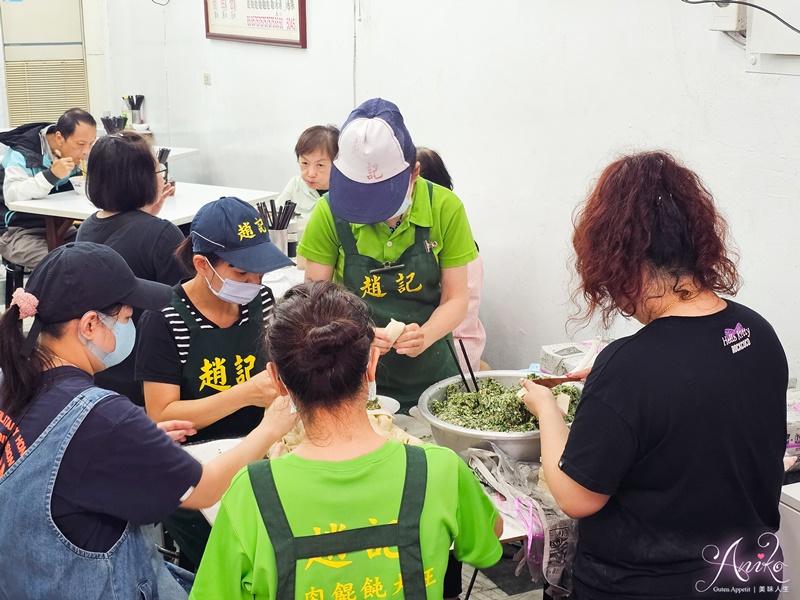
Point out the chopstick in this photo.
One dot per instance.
(469, 365)
(261, 207)
(276, 218)
(458, 365)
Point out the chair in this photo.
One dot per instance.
(15, 275)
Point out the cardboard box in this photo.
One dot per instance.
(793, 422)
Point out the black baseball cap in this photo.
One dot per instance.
(82, 276)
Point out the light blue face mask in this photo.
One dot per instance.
(235, 292)
(125, 336)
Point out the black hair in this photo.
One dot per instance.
(319, 337)
(432, 168)
(67, 122)
(185, 255)
(22, 377)
(318, 137)
(121, 173)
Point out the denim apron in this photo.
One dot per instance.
(404, 534)
(408, 290)
(39, 563)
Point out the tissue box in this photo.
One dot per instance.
(558, 359)
(793, 422)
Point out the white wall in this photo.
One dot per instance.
(526, 106)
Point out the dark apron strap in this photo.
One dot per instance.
(404, 534)
(183, 312)
(408, 523)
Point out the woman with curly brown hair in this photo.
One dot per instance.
(674, 461)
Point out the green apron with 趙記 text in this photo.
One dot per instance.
(218, 359)
(404, 534)
(408, 290)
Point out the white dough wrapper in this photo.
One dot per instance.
(394, 330)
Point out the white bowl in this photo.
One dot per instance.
(78, 184)
(140, 127)
(389, 406)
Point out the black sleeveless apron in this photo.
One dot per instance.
(408, 290)
(219, 359)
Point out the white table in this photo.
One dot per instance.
(61, 209)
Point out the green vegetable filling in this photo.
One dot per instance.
(495, 407)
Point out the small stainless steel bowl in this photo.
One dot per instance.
(524, 446)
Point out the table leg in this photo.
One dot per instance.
(55, 229)
(471, 583)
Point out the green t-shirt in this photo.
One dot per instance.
(323, 496)
(446, 217)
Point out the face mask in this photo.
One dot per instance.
(404, 206)
(235, 292)
(125, 336)
(373, 390)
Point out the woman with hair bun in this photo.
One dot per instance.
(674, 459)
(389, 512)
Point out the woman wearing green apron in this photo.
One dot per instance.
(348, 513)
(201, 357)
(399, 242)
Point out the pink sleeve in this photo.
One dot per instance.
(471, 329)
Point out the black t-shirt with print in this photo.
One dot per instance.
(118, 468)
(684, 425)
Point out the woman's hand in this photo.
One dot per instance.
(177, 430)
(155, 207)
(536, 397)
(381, 341)
(582, 374)
(281, 415)
(412, 341)
(264, 389)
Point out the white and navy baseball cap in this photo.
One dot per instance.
(372, 172)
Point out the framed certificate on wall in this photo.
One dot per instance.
(279, 22)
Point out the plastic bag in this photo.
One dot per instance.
(549, 549)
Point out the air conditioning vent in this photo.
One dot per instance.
(41, 90)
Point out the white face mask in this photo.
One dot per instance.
(373, 390)
(406, 203)
(235, 292)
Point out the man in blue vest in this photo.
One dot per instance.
(41, 158)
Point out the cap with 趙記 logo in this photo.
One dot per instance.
(371, 174)
(233, 230)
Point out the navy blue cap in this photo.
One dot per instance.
(233, 230)
(370, 176)
(82, 276)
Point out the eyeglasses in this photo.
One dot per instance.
(161, 171)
